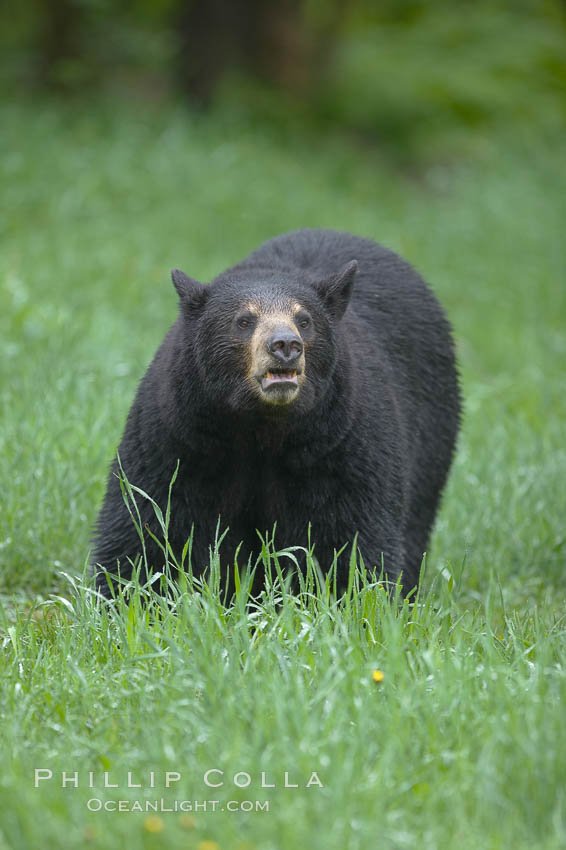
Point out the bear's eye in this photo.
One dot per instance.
(245, 322)
(304, 322)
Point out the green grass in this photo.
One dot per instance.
(463, 744)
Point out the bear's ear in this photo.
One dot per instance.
(335, 291)
(191, 292)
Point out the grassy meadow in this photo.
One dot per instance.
(462, 741)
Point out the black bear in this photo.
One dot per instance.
(312, 384)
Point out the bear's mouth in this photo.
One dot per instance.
(281, 377)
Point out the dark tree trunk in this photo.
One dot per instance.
(268, 39)
(58, 41)
(212, 35)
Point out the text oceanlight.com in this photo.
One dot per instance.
(95, 804)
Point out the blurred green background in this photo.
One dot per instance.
(413, 77)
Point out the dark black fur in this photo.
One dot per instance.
(365, 449)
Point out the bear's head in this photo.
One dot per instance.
(262, 339)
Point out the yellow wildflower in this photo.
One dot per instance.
(153, 823)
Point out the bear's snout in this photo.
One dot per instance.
(285, 346)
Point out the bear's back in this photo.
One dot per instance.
(319, 252)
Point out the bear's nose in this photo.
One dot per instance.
(285, 345)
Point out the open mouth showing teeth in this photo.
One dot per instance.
(283, 377)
